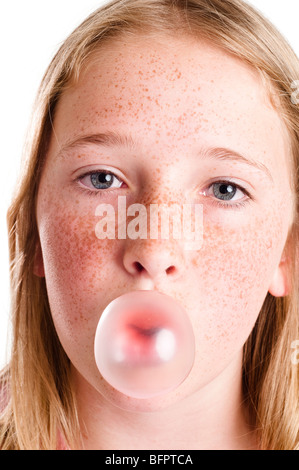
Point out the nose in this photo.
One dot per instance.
(154, 259)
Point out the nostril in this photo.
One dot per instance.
(170, 270)
(138, 266)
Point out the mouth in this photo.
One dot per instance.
(139, 337)
(147, 332)
(144, 344)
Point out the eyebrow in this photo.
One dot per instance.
(107, 139)
(226, 154)
(115, 139)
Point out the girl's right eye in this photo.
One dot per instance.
(100, 180)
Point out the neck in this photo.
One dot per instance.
(212, 418)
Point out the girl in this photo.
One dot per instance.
(160, 101)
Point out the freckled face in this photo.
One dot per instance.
(196, 127)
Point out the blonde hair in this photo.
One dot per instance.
(38, 403)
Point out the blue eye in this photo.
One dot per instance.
(100, 180)
(224, 191)
(227, 195)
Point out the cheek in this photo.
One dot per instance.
(77, 268)
(234, 270)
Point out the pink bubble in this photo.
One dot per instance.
(144, 344)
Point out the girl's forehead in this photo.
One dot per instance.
(170, 72)
(175, 75)
(169, 61)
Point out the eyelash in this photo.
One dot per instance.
(231, 205)
(216, 202)
(95, 192)
(236, 205)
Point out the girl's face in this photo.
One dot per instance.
(169, 121)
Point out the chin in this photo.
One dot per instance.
(143, 405)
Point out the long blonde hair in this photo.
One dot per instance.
(38, 403)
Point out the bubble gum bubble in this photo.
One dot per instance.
(144, 344)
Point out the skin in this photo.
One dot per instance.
(176, 99)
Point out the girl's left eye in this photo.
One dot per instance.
(225, 192)
(99, 180)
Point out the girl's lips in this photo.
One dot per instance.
(148, 332)
(140, 337)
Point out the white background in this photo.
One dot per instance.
(30, 33)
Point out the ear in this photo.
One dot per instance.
(280, 286)
(38, 266)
